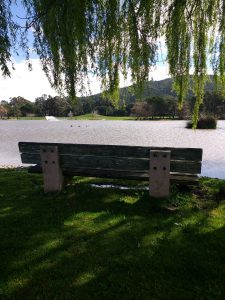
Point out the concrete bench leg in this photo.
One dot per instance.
(159, 173)
(53, 177)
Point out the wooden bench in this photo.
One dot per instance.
(158, 165)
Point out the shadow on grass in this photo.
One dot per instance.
(88, 243)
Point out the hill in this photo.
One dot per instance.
(161, 88)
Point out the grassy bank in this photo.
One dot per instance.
(81, 117)
(92, 243)
(98, 117)
(26, 118)
(101, 117)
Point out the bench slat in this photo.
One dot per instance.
(192, 154)
(143, 176)
(69, 163)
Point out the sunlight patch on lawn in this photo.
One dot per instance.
(6, 211)
(17, 283)
(84, 278)
(13, 212)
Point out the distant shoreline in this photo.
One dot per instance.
(96, 118)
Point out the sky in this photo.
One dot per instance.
(32, 84)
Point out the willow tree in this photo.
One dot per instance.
(76, 38)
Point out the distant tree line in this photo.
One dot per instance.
(166, 107)
(149, 107)
(43, 106)
(155, 107)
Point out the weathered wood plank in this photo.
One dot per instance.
(143, 176)
(69, 162)
(193, 154)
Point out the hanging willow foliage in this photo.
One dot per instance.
(76, 38)
(7, 37)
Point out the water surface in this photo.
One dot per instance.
(141, 133)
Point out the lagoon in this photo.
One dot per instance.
(142, 133)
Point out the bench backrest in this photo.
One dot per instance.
(113, 161)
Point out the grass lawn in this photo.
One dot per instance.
(81, 117)
(92, 243)
(113, 118)
(27, 118)
(101, 117)
(96, 117)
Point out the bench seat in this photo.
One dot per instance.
(114, 161)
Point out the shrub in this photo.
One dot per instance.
(206, 122)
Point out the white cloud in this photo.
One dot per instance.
(159, 72)
(25, 83)
(32, 84)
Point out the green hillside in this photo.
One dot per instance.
(162, 88)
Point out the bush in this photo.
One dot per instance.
(208, 122)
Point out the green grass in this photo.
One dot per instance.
(113, 118)
(27, 118)
(81, 117)
(92, 243)
(100, 117)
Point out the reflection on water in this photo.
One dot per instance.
(120, 187)
(142, 133)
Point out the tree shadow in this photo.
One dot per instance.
(87, 243)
